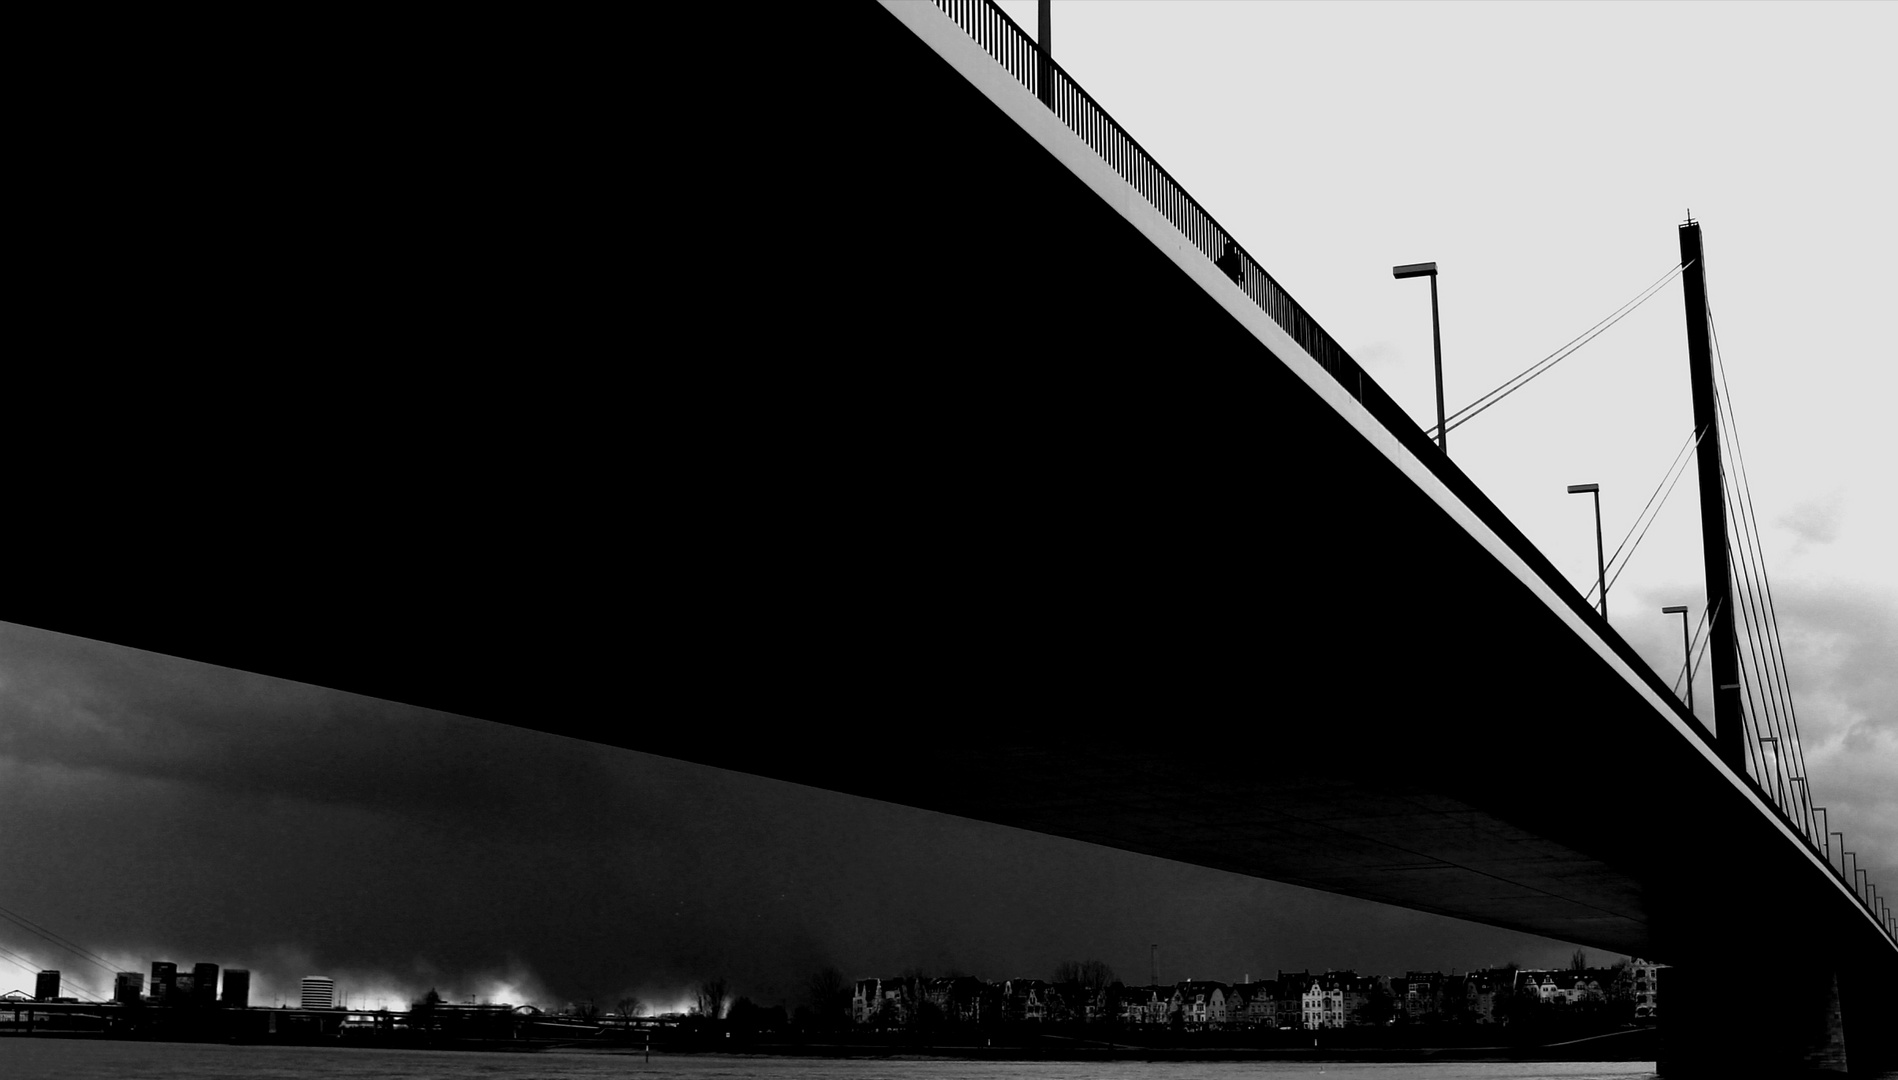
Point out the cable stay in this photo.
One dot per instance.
(1762, 656)
(1751, 520)
(1675, 471)
(1696, 649)
(57, 941)
(1522, 378)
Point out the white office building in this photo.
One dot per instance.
(319, 992)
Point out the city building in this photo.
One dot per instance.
(1142, 1005)
(865, 1000)
(958, 1000)
(1541, 985)
(236, 989)
(1026, 1000)
(164, 981)
(1253, 1005)
(204, 985)
(1422, 997)
(319, 992)
(46, 985)
(1359, 992)
(1201, 1004)
(1647, 988)
(128, 987)
(886, 1002)
(1323, 1003)
(1479, 996)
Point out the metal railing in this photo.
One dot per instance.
(1018, 53)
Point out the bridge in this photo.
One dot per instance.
(961, 474)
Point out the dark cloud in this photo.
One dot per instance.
(1841, 661)
(161, 809)
(1842, 655)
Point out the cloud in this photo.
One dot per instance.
(1816, 521)
(1840, 647)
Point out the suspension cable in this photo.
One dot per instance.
(54, 939)
(1670, 479)
(1752, 521)
(1522, 378)
(1691, 664)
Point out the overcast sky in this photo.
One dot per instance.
(1542, 155)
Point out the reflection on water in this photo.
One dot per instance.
(24, 1058)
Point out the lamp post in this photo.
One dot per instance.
(1429, 270)
(1807, 793)
(1687, 650)
(1779, 784)
(1601, 568)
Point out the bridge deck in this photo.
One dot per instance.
(947, 480)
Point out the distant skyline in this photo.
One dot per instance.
(156, 808)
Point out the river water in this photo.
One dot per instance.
(33, 1058)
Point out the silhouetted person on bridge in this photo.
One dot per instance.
(1229, 264)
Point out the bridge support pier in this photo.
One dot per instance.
(1766, 1018)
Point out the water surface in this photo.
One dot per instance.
(33, 1058)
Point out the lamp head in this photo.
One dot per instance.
(1428, 269)
(1674, 609)
(1583, 489)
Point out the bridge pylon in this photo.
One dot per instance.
(1723, 650)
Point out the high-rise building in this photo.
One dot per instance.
(164, 982)
(184, 990)
(127, 987)
(46, 987)
(236, 988)
(204, 985)
(319, 992)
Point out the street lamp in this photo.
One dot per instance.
(1687, 650)
(1779, 769)
(1429, 270)
(1808, 795)
(1601, 568)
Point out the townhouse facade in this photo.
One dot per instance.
(1293, 1001)
(1201, 1004)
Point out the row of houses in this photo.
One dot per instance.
(1293, 1001)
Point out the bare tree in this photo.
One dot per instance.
(1579, 961)
(630, 1007)
(1093, 974)
(830, 995)
(711, 998)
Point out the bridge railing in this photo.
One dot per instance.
(1017, 52)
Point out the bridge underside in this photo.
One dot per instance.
(932, 480)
